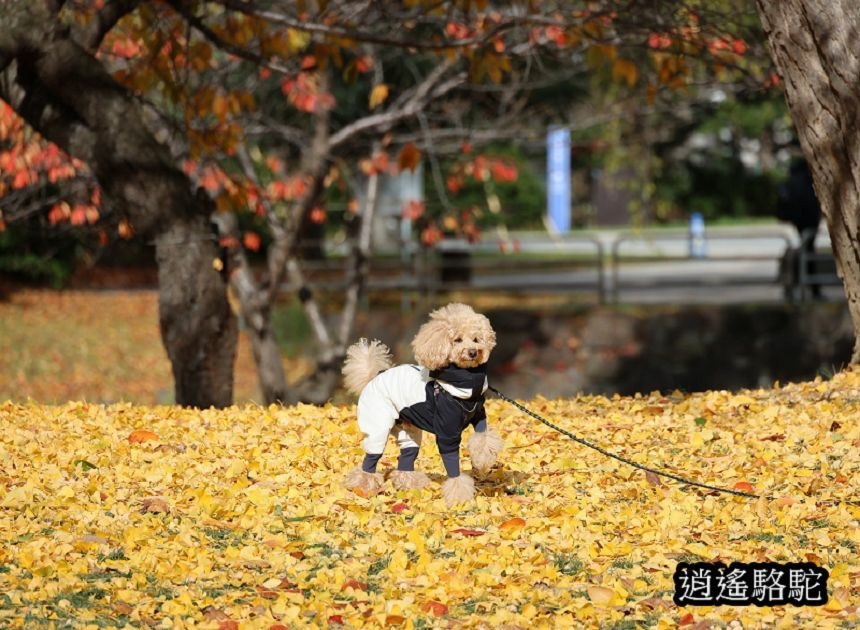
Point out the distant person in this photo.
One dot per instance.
(798, 205)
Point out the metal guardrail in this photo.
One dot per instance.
(459, 265)
(684, 238)
(569, 264)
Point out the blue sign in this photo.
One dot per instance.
(558, 179)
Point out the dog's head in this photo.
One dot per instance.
(455, 334)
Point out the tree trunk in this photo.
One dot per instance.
(65, 93)
(255, 310)
(814, 46)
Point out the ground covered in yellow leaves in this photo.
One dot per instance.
(126, 515)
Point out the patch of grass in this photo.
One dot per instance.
(98, 576)
(820, 522)
(222, 538)
(765, 537)
(850, 544)
(114, 554)
(633, 624)
(158, 590)
(85, 598)
(568, 564)
(379, 565)
(622, 564)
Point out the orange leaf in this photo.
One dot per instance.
(228, 624)
(394, 620)
(438, 609)
(784, 501)
(409, 158)
(142, 435)
(355, 584)
(251, 241)
(743, 486)
(686, 620)
(513, 523)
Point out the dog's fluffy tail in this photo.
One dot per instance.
(364, 360)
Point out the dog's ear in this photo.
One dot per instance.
(487, 332)
(432, 345)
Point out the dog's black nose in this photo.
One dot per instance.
(473, 354)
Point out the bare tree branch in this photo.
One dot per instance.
(355, 34)
(385, 120)
(358, 264)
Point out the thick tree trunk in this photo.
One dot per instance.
(65, 93)
(814, 46)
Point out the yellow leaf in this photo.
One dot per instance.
(378, 95)
(600, 595)
(297, 40)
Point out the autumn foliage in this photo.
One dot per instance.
(211, 525)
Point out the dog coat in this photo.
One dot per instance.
(442, 402)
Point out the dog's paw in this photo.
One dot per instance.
(484, 449)
(364, 484)
(458, 489)
(409, 479)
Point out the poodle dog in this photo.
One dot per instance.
(442, 395)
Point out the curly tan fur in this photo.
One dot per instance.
(364, 360)
(484, 449)
(364, 484)
(409, 479)
(455, 334)
(458, 489)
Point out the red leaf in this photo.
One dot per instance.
(776, 437)
(397, 509)
(336, 619)
(409, 157)
(686, 620)
(438, 609)
(363, 64)
(743, 486)
(318, 215)
(351, 583)
(413, 210)
(251, 241)
(468, 532)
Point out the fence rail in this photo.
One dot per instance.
(578, 264)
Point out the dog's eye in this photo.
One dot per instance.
(458, 340)
(475, 340)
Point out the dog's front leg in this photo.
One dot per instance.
(459, 487)
(484, 447)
